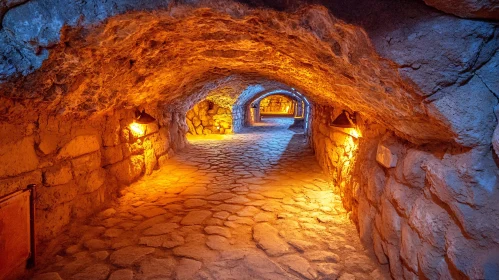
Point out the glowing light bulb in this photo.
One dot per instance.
(138, 130)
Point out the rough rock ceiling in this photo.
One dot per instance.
(147, 57)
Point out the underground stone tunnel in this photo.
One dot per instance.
(249, 140)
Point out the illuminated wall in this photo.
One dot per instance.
(79, 166)
(336, 150)
(207, 117)
(277, 104)
(402, 198)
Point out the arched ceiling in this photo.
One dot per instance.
(287, 94)
(147, 57)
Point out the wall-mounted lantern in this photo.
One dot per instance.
(139, 125)
(347, 123)
(143, 117)
(345, 120)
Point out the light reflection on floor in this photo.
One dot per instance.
(254, 205)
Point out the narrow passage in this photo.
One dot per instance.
(254, 205)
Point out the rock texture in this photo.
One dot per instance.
(277, 104)
(207, 117)
(410, 210)
(78, 166)
(323, 48)
(488, 9)
(425, 85)
(217, 244)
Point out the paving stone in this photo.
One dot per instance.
(302, 245)
(262, 267)
(299, 265)
(197, 252)
(268, 239)
(127, 256)
(96, 244)
(220, 196)
(314, 226)
(264, 217)
(195, 217)
(113, 232)
(194, 191)
(329, 270)
(150, 222)
(214, 222)
(195, 238)
(273, 194)
(325, 218)
(123, 243)
(322, 256)
(121, 274)
(237, 200)
(222, 231)
(167, 240)
(100, 255)
(193, 203)
(245, 221)
(248, 211)
(232, 208)
(187, 269)
(255, 196)
(216, 242)
(231, 224)
(256, 203)
(160, 229)
(150, 212)
(291, 209)
(221, 215)
(96, 272)
(152, 268)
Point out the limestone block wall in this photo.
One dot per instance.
(276, 104)
(77, 164)
(431, 212)
(207, 117)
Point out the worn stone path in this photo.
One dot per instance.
(254, 205)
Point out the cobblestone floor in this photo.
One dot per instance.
(248, 206)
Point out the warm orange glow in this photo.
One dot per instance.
(208, 137)
(354, 133)
(138, 130)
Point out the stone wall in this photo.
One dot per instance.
(78, 165)
(207, 117)
(279, 104)
(239, 116)
(431, 212)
